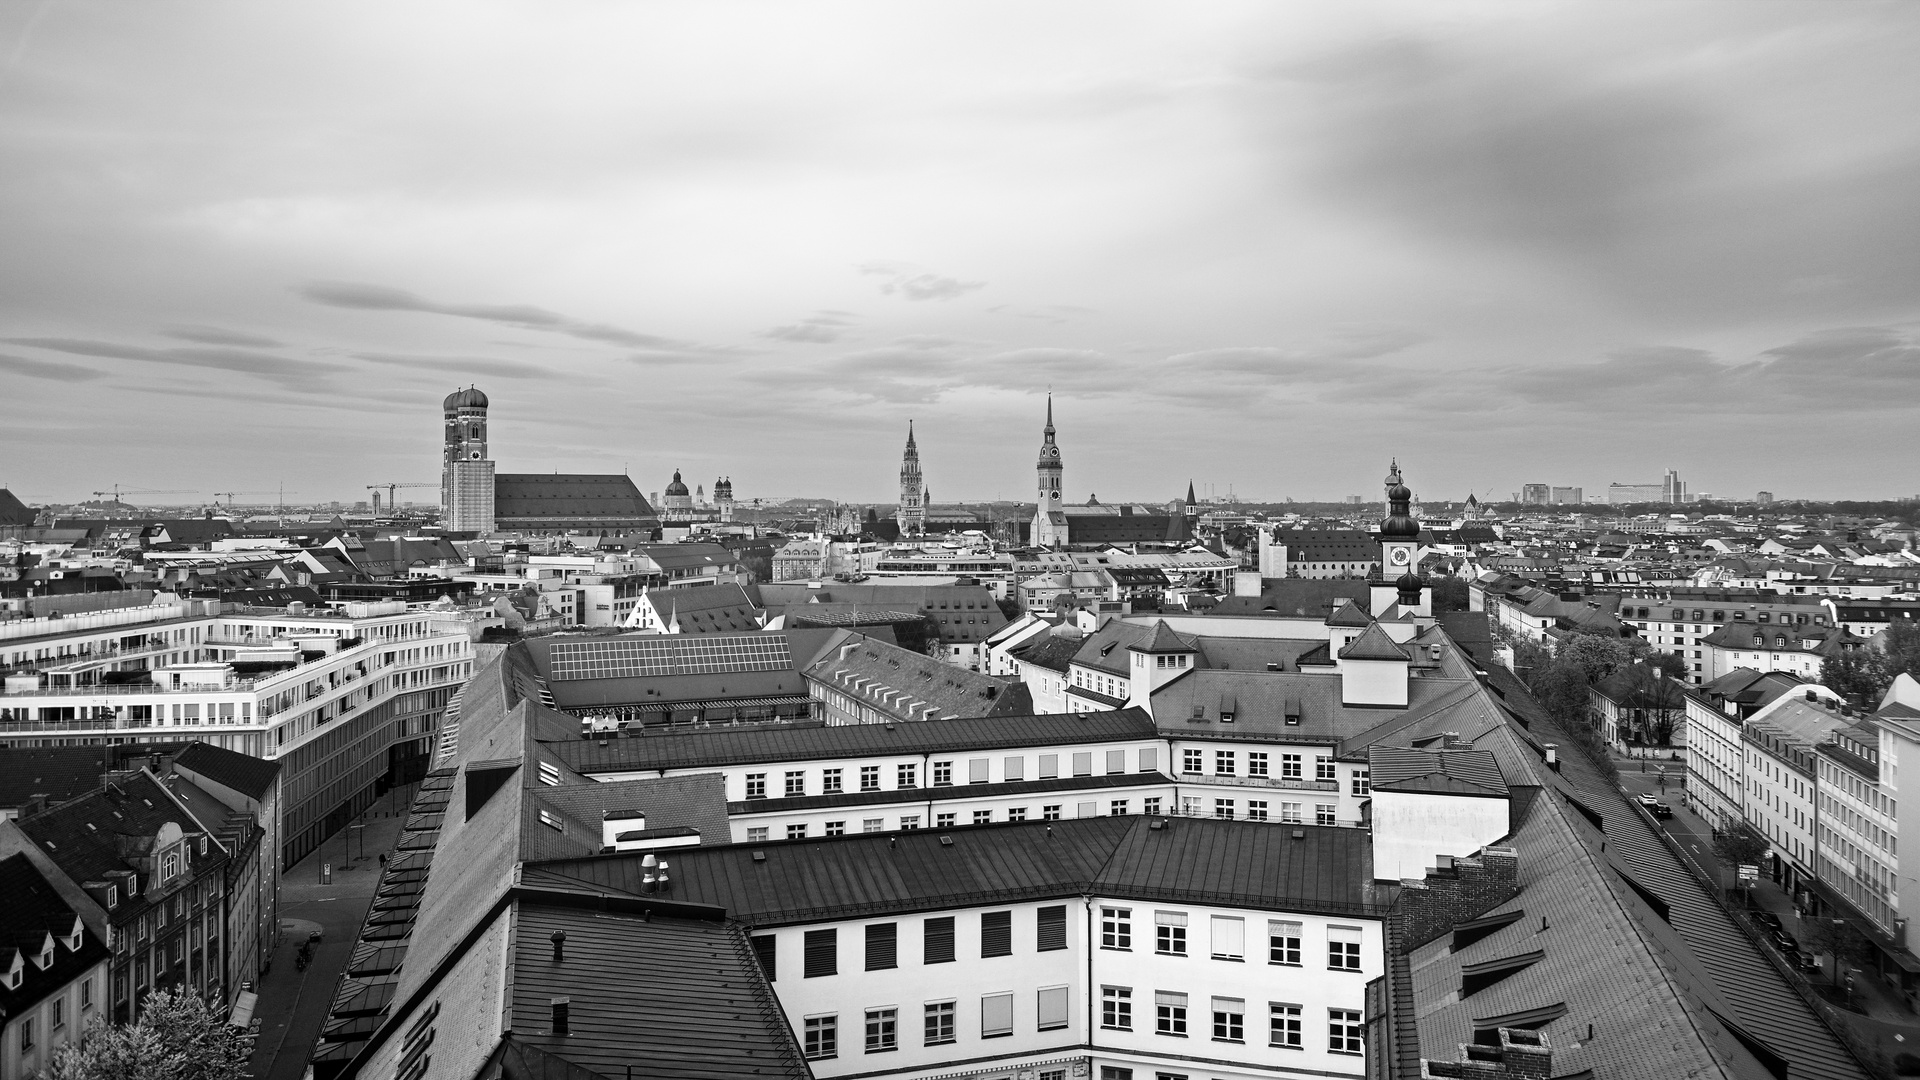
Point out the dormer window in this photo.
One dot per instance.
(46, 954)
(170, 864)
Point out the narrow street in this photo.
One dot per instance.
(294, 1003)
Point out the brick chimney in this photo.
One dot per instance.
(1521, 1055)
(1456, 892)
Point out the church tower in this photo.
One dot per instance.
(1049, 516)
(466, 473)
(1400, 581)
(912, 516)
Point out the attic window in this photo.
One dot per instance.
(1486, 1029)
(552, 821)
(1477, 977)
(1466, 933)
(549, 774)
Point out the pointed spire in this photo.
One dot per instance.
(909, 434)
(1190, 501)
(1049, 411)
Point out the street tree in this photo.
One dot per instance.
(178, 1037)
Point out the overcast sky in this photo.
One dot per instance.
(1265, 246)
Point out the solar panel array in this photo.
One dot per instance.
(667, 654)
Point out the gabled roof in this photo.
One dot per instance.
(1162, 639)
(12, 511)
(31, 910)
(1350, 614)
(250, 776)
(1374, 644)
(1311, 598)
(102, 832)
(586, 498)
(1441, 772)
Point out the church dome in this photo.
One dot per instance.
(470, 398)
(676, 488)
(723, 486)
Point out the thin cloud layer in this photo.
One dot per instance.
(40, 369)
(919, 286)
(524, 316)
(292, 373)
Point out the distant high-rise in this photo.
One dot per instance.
(466, 473)
(1765, 498)
(1567, 496)
(1535, 494)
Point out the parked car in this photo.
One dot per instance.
(1769, 922)
(1660, 810)
(1649, 801)
(1784, 941)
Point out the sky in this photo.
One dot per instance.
(1266, 247)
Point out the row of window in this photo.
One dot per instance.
(939, 1023)
(56, 1014)
(941, 773)
(1290, 813)
(882, 953)
(1284, 1020)
(1228, 938)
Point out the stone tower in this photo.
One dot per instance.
(466, 473)
(1049, 518)
(912, 516)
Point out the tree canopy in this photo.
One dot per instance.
(178, 1037)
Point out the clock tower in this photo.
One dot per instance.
(1049, 520)
(1399, 549)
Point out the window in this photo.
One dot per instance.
(822, 1036)
(869, 778)
(942, 821)
(836, 828)
(757, 785)
(1116, 762)
(1116, 928)
(1323, 814)
(1149, 759)
(1343, 948)
(1343, 1031)
(1117, 808)
(882, 1030)
(1115, 1072)
(939, 1022)
(1229, 1019)
(1016, 813)
(1053, 1008)
(937, 938)
(59, 1013)
(823, 953)
(996, 1015)
(765, 950)
(1192, 761)
(26, 1034)
(1283, 943)
(1229, 937)
(1290, 767)
(1223, 762)
(830, 781)
(1050, 813)
(1051, 929)
(86, 993)
(943, 774)
(1013, 768)
(872, 824)
(1223, 808)
(1362, 784)
(796, 784)
(1083, 764)
(909, 822)
(882, 939)
(978, 771)
(1170, 1013)
(1283, 1028)
(1049, 766)
(1256, 763)
(1256, 809)
(996, 933)
(1116, 1008)
(1150, 807)
(982, 817)
(797, 832)
(756, 834)
(1170, 932)
(904, 776)
(1323, 769)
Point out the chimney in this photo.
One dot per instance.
(1520, 1055)
(1450, 895)
(559, 940)
(34, 804)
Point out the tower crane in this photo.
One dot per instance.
(119, 491)
(391, 487)
(278, 494)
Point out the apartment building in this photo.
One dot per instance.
(1780, 799)
(1716, 752)
(344, 699)
(1682, 625)
(53, 970)
(1857, 847)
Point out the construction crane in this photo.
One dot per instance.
(391, 487)
(119, 491)
(279, 495)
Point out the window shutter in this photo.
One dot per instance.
(1169, 997)
(1116, 761)
(881, 941)
(977, 770)
(939, 940)
(1014, 768)
(1053, 1007)
(1236, 1006)
(1170, 918)
(996, 1014)
(1083, 763)
(1086, 809)
(1229, 936)
(1049, 766)
(996, 933)
(1053, 928)
(764, 951)
(823, 953)
(1149, 759)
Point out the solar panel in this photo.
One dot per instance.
(667, 654)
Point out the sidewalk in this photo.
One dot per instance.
(293, 1004)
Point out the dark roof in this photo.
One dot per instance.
(1235, 863)
(1052, 651)
(717, 747)
(683, 998)
(1447, 772)
(1373, 644)
(104, 831)
(1350, 615)
(244, 773)
(712, 609)
(1471, 631)
(12, 511)
(902, 683)
(550, 500)
(1311, 598)
(62, 772)
(30, 909)
(1162, 640)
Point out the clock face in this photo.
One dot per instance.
(1055, 496)
(1399, 556)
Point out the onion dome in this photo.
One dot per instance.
(1409, 585)
(470, 398)
(1399, 524)
(676, 488)
(723, 487)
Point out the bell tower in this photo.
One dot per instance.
(466, 472)
(1049, 521)
(1400, 580)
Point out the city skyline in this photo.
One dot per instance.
(1262, 247)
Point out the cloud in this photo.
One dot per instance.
(344, 294)
(918, 286)
(820, 328)
(213, 335)
(292, 373)
(1052, 313)
(505, 369)
(40, 369)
